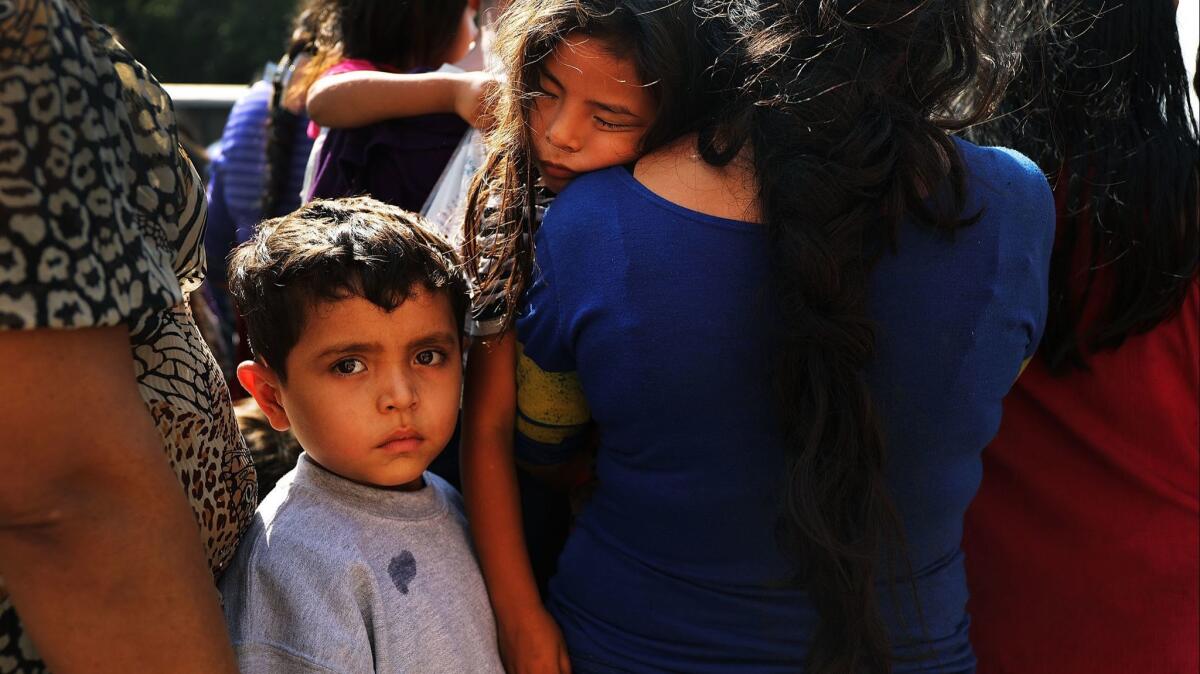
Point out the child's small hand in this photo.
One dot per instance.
(533, 644)
(472, 98)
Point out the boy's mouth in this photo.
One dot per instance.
(403, 440)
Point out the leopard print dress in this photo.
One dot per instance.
(101, 224)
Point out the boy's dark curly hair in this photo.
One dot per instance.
(333, 249)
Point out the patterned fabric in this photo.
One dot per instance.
(101, 224)
(16, 650)
(488, 309)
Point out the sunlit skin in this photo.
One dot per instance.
(370, 395)
(590, 111)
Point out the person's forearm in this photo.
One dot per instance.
(107, 578)
(366, 97)
(490, 482)
(98, 546)
(494, 508)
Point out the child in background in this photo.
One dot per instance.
(255, 174)
(359, 559)
(397, 161)
(257, 170)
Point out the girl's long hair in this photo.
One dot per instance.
(844, 107)
(1102, 106)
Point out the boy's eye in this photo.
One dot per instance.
(349, 366)
(430, 357)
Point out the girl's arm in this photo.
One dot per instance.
(530, 641)
(369, 96)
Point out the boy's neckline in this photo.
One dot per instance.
(417, 504)
(399, 488)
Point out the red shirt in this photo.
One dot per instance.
(1083, 544)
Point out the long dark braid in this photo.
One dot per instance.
(282, 123)
(850, 107)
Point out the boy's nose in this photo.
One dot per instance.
(399, 393)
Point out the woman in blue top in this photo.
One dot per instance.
(812, 273)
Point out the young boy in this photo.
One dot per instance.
(358, 560)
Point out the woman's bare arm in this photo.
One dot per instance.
(98, 545)
(369, 96)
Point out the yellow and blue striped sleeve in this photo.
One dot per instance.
(552, 413)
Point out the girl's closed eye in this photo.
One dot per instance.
(430, 357)
(613, 126)
(349, 366)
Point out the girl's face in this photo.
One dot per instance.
(590, 111)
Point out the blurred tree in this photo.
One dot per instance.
(226, 41)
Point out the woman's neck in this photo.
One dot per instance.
(676, 172)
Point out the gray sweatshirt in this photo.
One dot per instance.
(335, 576)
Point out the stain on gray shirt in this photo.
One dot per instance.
(335, 576)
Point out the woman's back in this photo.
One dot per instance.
(666, 314)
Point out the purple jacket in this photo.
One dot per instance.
(398, 161)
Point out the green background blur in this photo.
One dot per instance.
(215, 41)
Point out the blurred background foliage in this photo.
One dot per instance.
(215, 41)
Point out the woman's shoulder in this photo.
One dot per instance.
(996, 159)
(588, 199)
(1008, 191)
(1000, 172)
(594, 187)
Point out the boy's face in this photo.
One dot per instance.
(590, 113)
(373, 396)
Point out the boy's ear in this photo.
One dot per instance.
(262, 383)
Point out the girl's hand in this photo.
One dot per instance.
(472, 92)
(533, 644)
